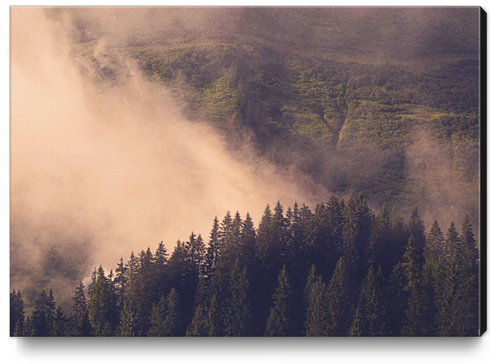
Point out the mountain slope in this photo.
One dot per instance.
(344, 95)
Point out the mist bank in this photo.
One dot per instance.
(392, 32)
(97, 173)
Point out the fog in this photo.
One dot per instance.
(99, 173)
(440, 193)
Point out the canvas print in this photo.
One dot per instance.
(245, 171)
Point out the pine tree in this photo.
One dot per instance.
(121, 282)
(79, 304)
(364, 225)
(293, 247)
(415, 324)
(317, 242)
(18, 331)
(160, 272)
(278, 323)
(79, 319)
(225, 230)
(315, 305)
(443, 282)
(128, 323)
(197, 252)
(16, 314)
(433, 277)
(380, 241)
(262, 273)
(337, 303)
(132, 269)
(60, 323)
(43, 315)
(416, 228)
(85, 328)
(92, 282)
(199, 325)
(396, 300)
(382, 283)
(158, 312)
(280, 233)
(215, 317)
(444, 279)
(172, 323)
(212, 252)
(237, 317)
(183, 277)
(466, 296)
(399, 238)
(248, 237)
(335, 222)
(356, 235)
(456, 293)
(367, 322)
(102, 309)
(264, 235)
(297, 263)
(468, 256)
(231, 247)
(143, 290)
(427, 293)
(435, 246)
(165, 316)
(351, 246)
(452, 243)
(28, 327)
(355, 329)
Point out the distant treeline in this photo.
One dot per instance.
(340, 270)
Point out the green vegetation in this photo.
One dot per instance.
(316, 92)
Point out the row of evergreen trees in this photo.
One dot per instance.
(339, 270)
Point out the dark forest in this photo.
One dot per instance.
(339, 270)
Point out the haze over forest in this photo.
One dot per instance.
(135, 126)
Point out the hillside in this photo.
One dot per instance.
(334, 95)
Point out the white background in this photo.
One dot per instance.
(223, 350)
